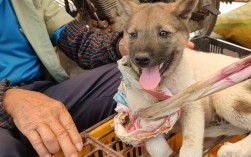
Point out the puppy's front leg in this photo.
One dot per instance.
(193, 123)
(158, 147)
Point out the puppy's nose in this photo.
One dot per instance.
(142, 59)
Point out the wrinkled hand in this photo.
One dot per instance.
(44, 121)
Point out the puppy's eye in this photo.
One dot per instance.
(164, 33)
(134, 34)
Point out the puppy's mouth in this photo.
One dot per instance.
(150, 77)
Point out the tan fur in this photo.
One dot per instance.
(186, 68)
(242, 107)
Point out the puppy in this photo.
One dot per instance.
(156, 36)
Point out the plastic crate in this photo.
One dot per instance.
(101, 141)
(208, 44)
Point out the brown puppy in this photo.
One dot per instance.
(156, 36)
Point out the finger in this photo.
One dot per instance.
(63, 138)
(49, 139)
(37, 143)
(190, 44)
(122, 48)
(68, 124)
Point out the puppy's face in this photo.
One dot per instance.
(156, 35)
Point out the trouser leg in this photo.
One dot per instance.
(14, 144)
(89, 96)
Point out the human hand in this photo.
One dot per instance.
(44, 121)
(124, 51)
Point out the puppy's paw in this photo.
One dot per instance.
(233, 150)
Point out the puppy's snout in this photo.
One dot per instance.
(142, 59)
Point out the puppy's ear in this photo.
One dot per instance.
(127, 7)
(184, 8)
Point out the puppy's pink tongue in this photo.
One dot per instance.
(150, 78)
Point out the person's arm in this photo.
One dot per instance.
(86, 48)
(89, 49)
(44, 121)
